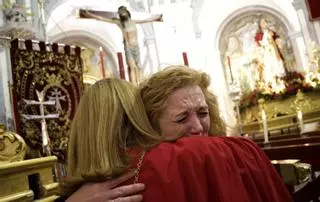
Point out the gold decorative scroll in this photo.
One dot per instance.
(58, 74)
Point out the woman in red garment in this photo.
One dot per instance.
(196, 168)
(192, 168)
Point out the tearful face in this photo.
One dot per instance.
(186, 113)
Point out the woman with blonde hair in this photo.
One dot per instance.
(179, 89)
(110, 119)
(187, 165)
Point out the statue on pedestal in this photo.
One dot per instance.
(16, 22)
(273, 60)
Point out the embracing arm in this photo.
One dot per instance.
(156, 18)
(108, 191)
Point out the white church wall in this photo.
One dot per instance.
(63, 21)
(103, 32)
(176, 35)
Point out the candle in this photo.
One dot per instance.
(185, 59)
(265, 127)
(121, 66)
(102, 63)
(300, 120)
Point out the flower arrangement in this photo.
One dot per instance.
(282, 88)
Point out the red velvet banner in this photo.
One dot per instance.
(314, 9)
(56, 71)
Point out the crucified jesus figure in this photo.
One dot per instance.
(129, 32)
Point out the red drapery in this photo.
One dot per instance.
(57, 72)
(314, 9)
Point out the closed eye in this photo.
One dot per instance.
(203, 114)
(181, 120)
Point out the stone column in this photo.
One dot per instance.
(5, 85)
(5, 74)
(317, 28)
(152, 55)
(300, 51)
(37, 20)
(196, 6)
(28, 5)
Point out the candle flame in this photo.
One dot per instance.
(299, 115)
(263, 114)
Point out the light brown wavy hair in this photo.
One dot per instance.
(156, 90)
(110, 119)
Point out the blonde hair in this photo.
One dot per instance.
(110, 119)
(156, 90)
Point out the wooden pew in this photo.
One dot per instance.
(285, 136)
(307, 152)
(294, 146)
(28, 180)
(306, 148)
(292, 141)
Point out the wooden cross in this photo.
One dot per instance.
(129, 32)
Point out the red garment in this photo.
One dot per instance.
(258, 37)
(210, 169)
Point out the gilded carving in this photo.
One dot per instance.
(59, 77)
(12, 146)
(282, 113)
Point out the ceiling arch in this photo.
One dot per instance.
(258, 8)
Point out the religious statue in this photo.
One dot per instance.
(16, 21)
(14, 13)
(272, 58)
(129, 32)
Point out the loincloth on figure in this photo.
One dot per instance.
(133, 52)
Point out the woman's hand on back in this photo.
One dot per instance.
(109, 192)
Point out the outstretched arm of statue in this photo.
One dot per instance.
(83, 13)
(156, 18)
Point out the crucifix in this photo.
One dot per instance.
(129, 32)
(42, 117)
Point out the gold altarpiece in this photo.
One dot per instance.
(24, 180)
(258, 60)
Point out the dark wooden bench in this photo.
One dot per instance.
(304, 147)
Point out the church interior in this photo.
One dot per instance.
(263, 58)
